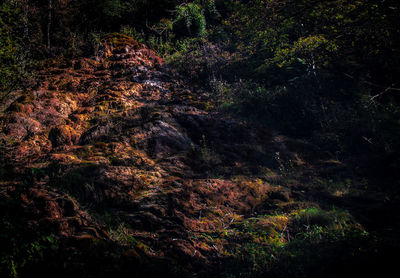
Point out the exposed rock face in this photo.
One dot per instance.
(63, 135)
(124, 133)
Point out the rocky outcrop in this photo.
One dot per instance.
(124, 134)
(63, 135)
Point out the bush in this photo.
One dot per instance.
(132, 32)
(198, 59)
(290, 109)
(190, 20)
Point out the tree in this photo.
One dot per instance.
(49, 10)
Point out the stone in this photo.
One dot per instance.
(63, 135)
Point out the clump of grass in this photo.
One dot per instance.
(292, 244)
(121, 234)
(317, 224)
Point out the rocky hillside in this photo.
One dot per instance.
(116, 164)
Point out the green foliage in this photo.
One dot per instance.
(132, 32)
(316, 224)
(11, 59)
(307, 50)
(190, 20)
(197, 58)
(297, 244)
(291, 109)
(122, 236)
(317, 33)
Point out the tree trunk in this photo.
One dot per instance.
(50, 7)
(26, 15)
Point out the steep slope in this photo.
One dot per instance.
(118, 154)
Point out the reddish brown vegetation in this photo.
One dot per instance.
(124, 134)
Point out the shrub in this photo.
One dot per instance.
(290, 109)
(132, 32)
(198, 59)
(190, 20)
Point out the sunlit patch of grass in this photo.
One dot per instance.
(316, 224)
(260, 245)
(122, 235)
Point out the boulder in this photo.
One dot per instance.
(63, 135)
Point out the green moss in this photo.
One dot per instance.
(120, 40)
